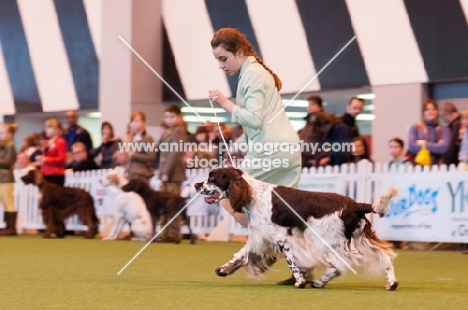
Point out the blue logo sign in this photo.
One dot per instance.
(418, 201)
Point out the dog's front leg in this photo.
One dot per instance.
(239, 260)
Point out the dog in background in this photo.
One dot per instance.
(59, 203)
(159, 203)
(130, 208)
(339, 220)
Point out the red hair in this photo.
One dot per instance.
(232, 40)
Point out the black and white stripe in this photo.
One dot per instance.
(48, 59)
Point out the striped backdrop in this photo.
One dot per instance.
(397, 41)
(50, 49)
(48, 58)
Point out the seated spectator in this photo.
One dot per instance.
(31, 146)
(104, 154)
(326, 128)
(463, 135)
(202, 148)
(397, 147)
(81, 160)
(429, 132)
(236, 154)
(361, 151)
(451, 116)
(22, 166)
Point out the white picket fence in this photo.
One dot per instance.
(442, 188)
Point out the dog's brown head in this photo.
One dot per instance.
(226, 183)
(136, 185)
(33, 177)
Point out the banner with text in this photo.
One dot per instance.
(426, 209)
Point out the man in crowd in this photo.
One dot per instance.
(451, 116)
(353, 109)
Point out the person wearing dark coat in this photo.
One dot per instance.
(354, 107)
(76, 133)
(81, 160)
(451, 116)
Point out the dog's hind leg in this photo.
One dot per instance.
(329, 274)
(298, 272)
(386, 262)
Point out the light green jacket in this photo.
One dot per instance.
(257, 102)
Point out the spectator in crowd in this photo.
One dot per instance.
(360, 152)
(76, 133)
(81, 160)
(140, 161)
(104, 154)
(353, 109)
(397, 147)
(315, 104)
(429, 132)
(31, 146)
(7, 161)
(451, 116)
(218, 142)
(172, 166)
(463, 135)
(325, 128)
(162, 131)
(211, 128)
(203, 150)
(54, 153)
(236, 153)
(22, 166)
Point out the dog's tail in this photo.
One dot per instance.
(382, 205)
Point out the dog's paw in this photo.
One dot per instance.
(391, 286)
(221, 273)
(317, 284)
(300, 284)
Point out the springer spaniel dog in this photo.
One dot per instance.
(335, 219)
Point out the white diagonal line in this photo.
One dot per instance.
(161, 78)
(157, 234)
(312, 79)
(316, 233)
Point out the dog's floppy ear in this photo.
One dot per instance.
(38, 177)
(240, 193)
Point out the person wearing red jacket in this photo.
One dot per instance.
(54, 153)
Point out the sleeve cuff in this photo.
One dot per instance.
(234, 114)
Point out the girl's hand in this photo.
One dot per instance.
(420, 142)
(164, 178)
(217, 97)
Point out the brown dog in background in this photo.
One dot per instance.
(59, 203)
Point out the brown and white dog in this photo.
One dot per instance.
(331, 219)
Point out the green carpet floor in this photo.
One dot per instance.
(75, 273)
